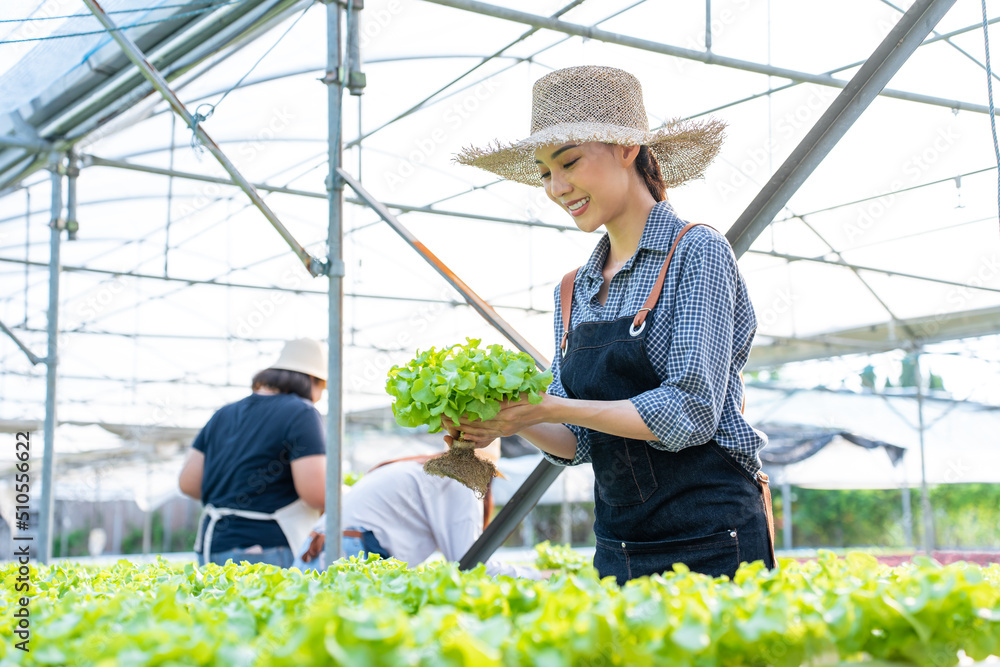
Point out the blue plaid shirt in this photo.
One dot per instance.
(698, 345)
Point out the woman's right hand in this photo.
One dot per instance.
(542, 425)
(513, 417)
(456, 433)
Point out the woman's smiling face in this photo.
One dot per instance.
(588, 180)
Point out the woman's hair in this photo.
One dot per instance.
(287, 382)
(649, 171)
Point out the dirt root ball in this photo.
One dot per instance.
(462, 464)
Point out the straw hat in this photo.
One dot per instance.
(303, 355)
(593, 103)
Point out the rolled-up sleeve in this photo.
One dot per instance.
(557, 389)
(686, 408)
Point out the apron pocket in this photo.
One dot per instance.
(623, 470)
(714, 555)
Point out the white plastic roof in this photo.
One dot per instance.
(167, 305)
(46, 42)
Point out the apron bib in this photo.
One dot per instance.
(654, 508)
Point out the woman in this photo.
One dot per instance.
(651, 334)
(259, 465)
(397, 510)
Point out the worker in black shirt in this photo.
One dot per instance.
(259, 464)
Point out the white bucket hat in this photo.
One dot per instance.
(594, 103)
(303, 355)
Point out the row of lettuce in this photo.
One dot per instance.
(372, 613)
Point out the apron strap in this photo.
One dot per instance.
(566, 289)
(214, 514)
(654, 294)
(566, 297)
(766, 489)
(566, 302)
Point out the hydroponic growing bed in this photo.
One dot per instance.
(827, 611)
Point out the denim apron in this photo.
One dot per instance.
(653, 508)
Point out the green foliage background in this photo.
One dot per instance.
(965, 516)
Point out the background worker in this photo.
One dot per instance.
(259, 464)
(399, 510)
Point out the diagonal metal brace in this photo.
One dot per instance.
(314, 265)
(858, 94)
(32, 357)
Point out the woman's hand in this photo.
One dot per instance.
(513, 417)
(542, 425)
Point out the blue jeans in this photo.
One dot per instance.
(280, 556)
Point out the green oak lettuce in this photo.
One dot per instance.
(377, 612)
(462, 380)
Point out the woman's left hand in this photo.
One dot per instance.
(513, 417)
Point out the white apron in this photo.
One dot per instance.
(295, 520)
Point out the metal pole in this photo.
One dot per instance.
(516, 509)
(861, 267)
(708, 25)
(355, 78)
(786, 511)
(72, 172)
(95, 161)
(31, 145)
(32, 357)
(335, 189)
(925, 498)
(27, 254)
(147, 531)
(147, 515)
(315, 266)
(589, 32)
(170, 196)
(565, 516)
(907, 515)
(890, 55)
(51, 363)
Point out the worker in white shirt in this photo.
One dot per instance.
(399, 510)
